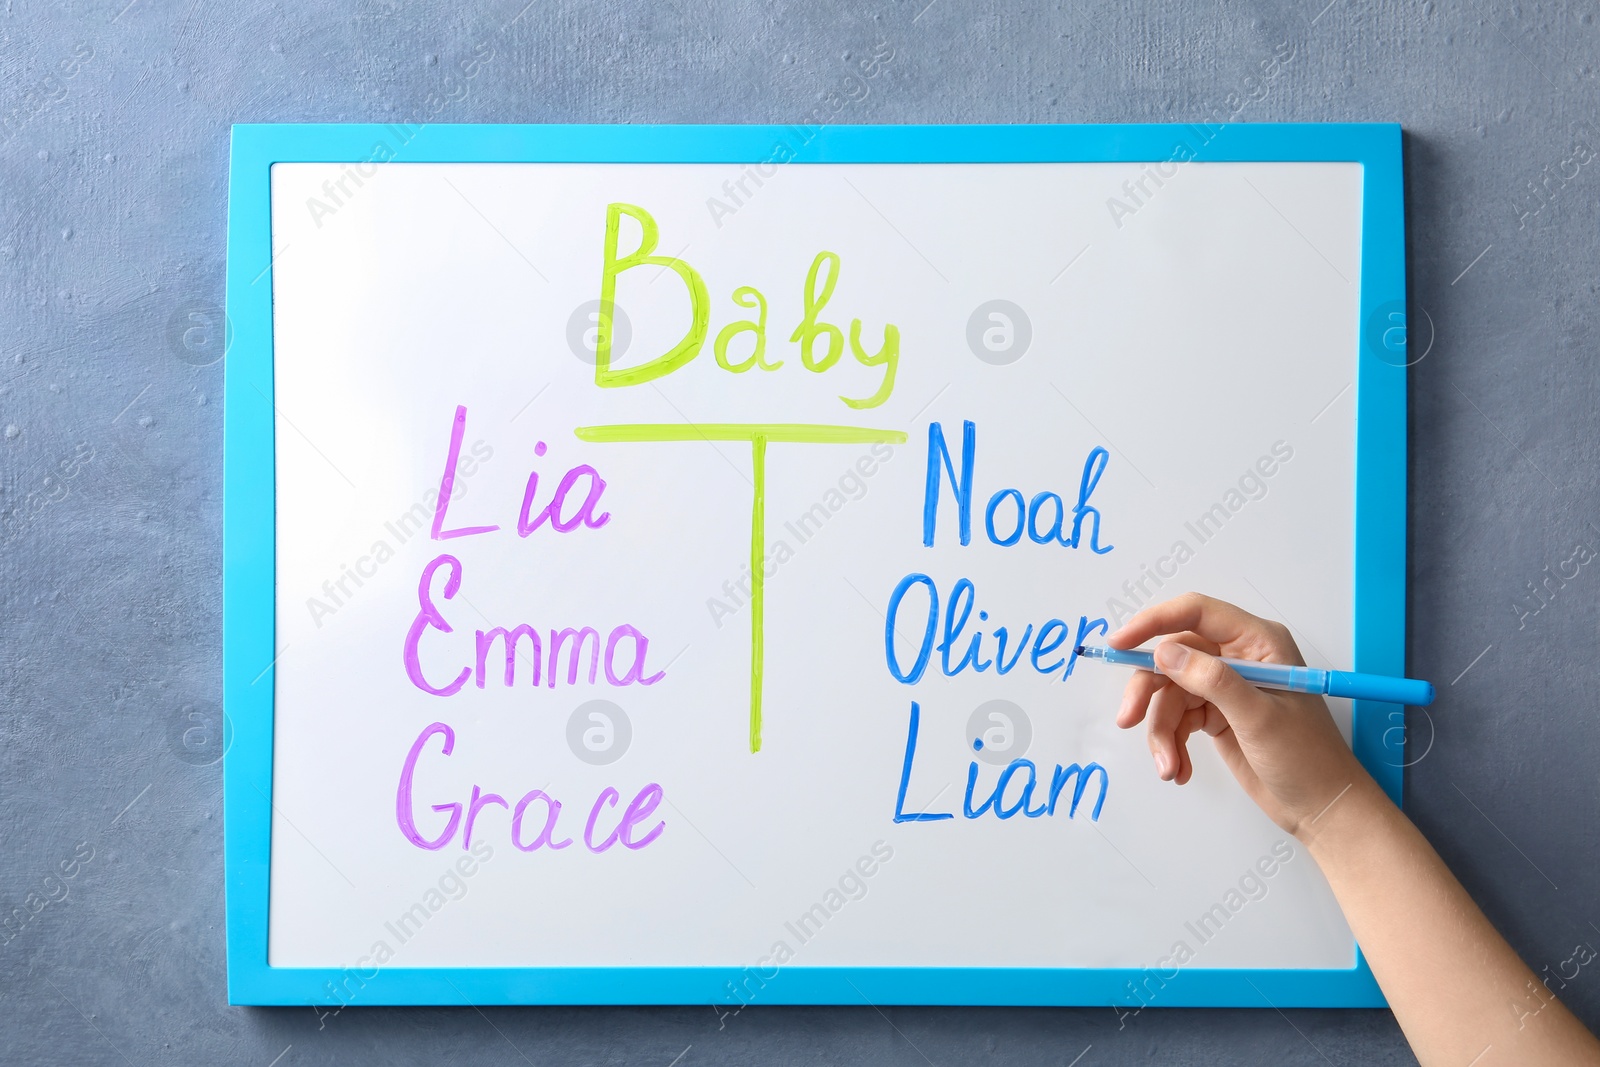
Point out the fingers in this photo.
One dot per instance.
(1216, 621)
(1194, 640)
(1196, 691)
(1194, 720)
(1166, 713)
(1143, 685)
(1169, 747)
(1136, 696)
(1212, 680)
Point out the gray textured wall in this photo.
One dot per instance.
(113, 160)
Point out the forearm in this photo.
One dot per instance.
(1459, 992)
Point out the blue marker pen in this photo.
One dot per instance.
(1408, 691)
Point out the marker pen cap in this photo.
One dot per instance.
(1408, 691)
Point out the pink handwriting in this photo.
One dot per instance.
(546, 655)
(527, 520)
(625, 831)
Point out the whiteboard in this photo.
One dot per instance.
(1150, 371)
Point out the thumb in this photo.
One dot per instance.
(1208, 677)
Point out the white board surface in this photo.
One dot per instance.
(1200, 338)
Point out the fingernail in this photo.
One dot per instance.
(1172, 655)
(1161, 764)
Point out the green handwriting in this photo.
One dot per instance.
(819, 285)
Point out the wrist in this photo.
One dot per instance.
(1350, 812)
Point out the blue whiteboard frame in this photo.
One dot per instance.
(249, 649)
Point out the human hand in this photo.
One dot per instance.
(1283, 748)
